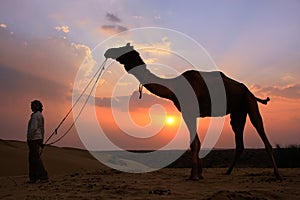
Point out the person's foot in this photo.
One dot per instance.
(43, 180)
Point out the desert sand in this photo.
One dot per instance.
(74, 174)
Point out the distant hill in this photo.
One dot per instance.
(256, 158)
(57, 160)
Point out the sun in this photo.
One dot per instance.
(170, 120)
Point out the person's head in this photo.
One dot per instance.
(36, 105)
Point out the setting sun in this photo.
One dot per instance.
(170, 120)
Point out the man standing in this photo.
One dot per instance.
(35, 137)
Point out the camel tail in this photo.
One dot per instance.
(263, 101)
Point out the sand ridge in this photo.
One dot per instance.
(74, 174)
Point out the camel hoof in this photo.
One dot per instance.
(228, 172)
(195, 178)
(278, 177)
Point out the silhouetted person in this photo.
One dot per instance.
(35, 137)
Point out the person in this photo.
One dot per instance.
(35, 137)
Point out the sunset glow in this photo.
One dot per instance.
(45, 43)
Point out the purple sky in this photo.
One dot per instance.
(43, 44)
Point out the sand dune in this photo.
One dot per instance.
(57, 160)
(74, 174)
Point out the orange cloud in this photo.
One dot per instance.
(290, 91)
(147, 101)
(112, 29)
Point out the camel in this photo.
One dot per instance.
(240, 102)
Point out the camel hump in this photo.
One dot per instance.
(263, 101)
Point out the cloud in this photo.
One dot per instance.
(291, 91)
(112, 18)
(113, 26)
(64, 29)
(135, 103)
(162, 47)
(3, 26)
(42, 69)
(112, 29)
(139, 17)
(54, 59)
(288, 78)
(157, 17)
(5, 34)
(17, 90)
(17, 84)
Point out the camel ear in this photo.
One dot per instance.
(128, 45)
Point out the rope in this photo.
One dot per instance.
(99, 72)
(141, 84)
(140, 90)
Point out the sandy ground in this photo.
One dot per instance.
(76, 175)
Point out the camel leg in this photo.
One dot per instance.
(237, 122)
(196, 172)
(257, 122)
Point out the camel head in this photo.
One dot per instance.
(125, 55)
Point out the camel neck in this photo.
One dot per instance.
(144, 75)
(154, 84)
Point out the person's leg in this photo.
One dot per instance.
(32, 161)
(41, 171)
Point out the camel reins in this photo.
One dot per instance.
(96, 77)
(141, 85)
(140, 90)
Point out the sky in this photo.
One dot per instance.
(43, 45)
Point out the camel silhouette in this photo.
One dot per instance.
(239, 102)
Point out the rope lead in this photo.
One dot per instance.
(140, 90)
(96, 78)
